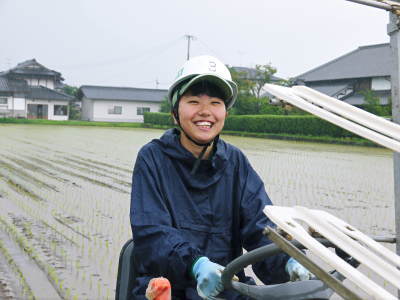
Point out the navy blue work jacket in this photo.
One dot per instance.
(177, 217)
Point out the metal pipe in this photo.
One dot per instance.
(373, 4)
(349, 111)
(289, 95)
(332, 282)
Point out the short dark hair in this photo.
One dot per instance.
(205, 88)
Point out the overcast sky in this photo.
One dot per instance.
(136, 43)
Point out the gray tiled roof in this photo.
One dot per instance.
(12, 85)
(366, 61)
(41, 92)
(122, 93)
(32, 67)
(32, 92)
(251, 74)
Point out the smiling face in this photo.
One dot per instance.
(201, 117)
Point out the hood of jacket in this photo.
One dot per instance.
(210, 170)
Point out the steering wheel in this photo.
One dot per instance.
(297, 290)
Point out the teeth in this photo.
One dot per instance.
(203, 123)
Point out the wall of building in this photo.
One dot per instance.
(87, 109)
(102, 110)
(380, 84)
(15, 107)
(50, 108)
(49, 83)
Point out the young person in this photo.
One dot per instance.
(196, 200)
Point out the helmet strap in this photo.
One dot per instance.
(176, 115)
(198, 160)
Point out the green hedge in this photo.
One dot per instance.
(301, 125)
(298, 125)
(158, 118)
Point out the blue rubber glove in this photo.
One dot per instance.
(296, 271)
(208, 277)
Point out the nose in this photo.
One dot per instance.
(204, 109)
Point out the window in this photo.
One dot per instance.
(142, 110)
(115, 110)
(3, 101)
(380, 84)
(60, 110)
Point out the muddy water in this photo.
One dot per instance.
(64, 194)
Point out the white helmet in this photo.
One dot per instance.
(203, 68)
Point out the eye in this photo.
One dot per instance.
(193, 101)
(217, 102)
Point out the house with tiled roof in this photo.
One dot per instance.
(346, 77)
(251, 74)
(118, 104)
(30, 90)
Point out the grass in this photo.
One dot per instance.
(282, 136)
(69, 123)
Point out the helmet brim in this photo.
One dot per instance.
(223, 85)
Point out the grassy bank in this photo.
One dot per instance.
(292, 137)
(70, 123)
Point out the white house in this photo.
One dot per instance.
(29, 90)
(348, 76)
(119, 104)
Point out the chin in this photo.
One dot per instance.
(204, 140)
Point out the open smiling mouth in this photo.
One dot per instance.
(204, 124)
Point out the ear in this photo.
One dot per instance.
(173, 117)
(226, 114)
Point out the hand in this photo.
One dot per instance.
(208, 277)
(296, 271)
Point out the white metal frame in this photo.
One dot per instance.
(349, 239)
(356, 120)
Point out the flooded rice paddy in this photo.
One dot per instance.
(65, 196)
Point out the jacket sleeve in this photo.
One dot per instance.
(159, 248)
(253, 222)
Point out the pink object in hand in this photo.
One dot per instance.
(159, 289)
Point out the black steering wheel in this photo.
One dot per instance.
(297, 290)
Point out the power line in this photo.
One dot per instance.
(209, 49)
(124, 59)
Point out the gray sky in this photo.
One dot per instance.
(134, 43)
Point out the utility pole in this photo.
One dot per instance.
(393, 31)
(189, 37)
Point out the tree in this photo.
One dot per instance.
(70, 90)
(372, 103)
(250, 86)
(165, 106)
(74, 109)
(244, 84)
(263, 75)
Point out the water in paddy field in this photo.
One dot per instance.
(65, 196)
(353, 183)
